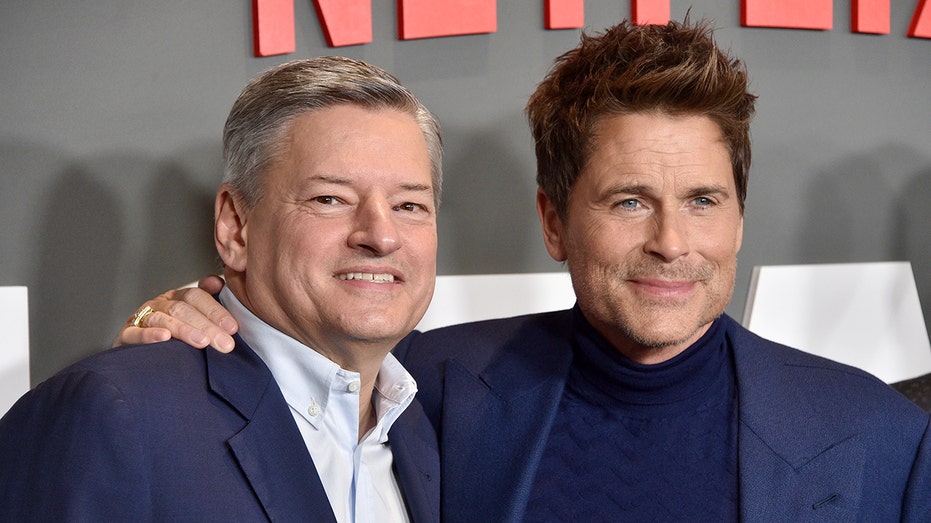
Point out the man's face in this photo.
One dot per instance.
(652, 231)
(340, 251)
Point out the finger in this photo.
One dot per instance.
(137, 336)
(205, 309)
(195, 330)
(212, 284)
(198, 336)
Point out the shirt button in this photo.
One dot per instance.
(313, 410)
(354, 386)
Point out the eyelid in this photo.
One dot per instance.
(621, 203)
(421, 206)
(334, 199)
(712, 198)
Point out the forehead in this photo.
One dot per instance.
(658, 144)
(351, 141)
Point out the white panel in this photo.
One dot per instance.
(14, 347)
(863, 314)
(459, 299)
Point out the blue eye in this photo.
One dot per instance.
(703, 201)
(628, 204)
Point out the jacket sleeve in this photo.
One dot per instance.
(917, 502)
(70, 450)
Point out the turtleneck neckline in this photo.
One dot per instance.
(605, 376)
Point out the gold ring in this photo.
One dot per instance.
(141, 315)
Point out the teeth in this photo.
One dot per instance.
(368, 276)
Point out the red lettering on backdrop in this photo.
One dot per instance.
(870, 16)
(644, 12)
(432, 18)
(790, 14)
(345, 22)
(563, 14)
(349, 22)
(921, 21)
(272, 27)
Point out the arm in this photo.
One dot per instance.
(917, 503)
(190, 315)
(71, 450)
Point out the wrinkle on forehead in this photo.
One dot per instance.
(669, 144)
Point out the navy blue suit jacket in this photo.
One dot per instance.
(168, 433)
(817, 440)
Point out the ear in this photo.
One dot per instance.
(740, 233)
(553, 234)
(229, 229)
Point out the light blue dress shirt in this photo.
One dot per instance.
(357, 474)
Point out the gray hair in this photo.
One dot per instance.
(253, 136)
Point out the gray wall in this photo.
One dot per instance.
(111, 111)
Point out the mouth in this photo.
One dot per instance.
(368, 277)
(665, 288)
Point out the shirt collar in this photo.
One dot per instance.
(306, 377)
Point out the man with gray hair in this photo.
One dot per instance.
(326, 225)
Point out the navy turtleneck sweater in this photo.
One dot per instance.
(634, 442)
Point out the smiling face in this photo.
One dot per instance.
(651, 232)
(340, 251)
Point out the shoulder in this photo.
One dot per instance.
(765, 357)
(477, 342)
(117, 377)
(525, 348)
(776, 376)
(134, 366)
(917, 389)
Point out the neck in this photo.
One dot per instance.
(647, 353)
(365, 356)
(367, 416)
(368, 368)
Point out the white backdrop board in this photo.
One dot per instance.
(863, 314)
(460, 299)
(14, 347)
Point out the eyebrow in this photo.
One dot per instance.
(644, 189)
(416, 187)
(346, 182)
(715, 189)
(325, 178)
(632, 189)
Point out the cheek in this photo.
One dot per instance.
(607, 242)
(421, 241)
(719, 242)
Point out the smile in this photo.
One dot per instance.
(664, 287)
(368, 277)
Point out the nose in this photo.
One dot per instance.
(669, 238)
(374, 229)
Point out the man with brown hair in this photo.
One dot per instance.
(645, 402)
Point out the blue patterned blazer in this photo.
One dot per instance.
(817, 440)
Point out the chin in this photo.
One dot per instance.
(375, 330)
(652, 340)
(670, 329)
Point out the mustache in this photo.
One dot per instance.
(646, 270)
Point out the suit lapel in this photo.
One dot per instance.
(795, 463)
(417, 463)
(495, 426)
(269, 449)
